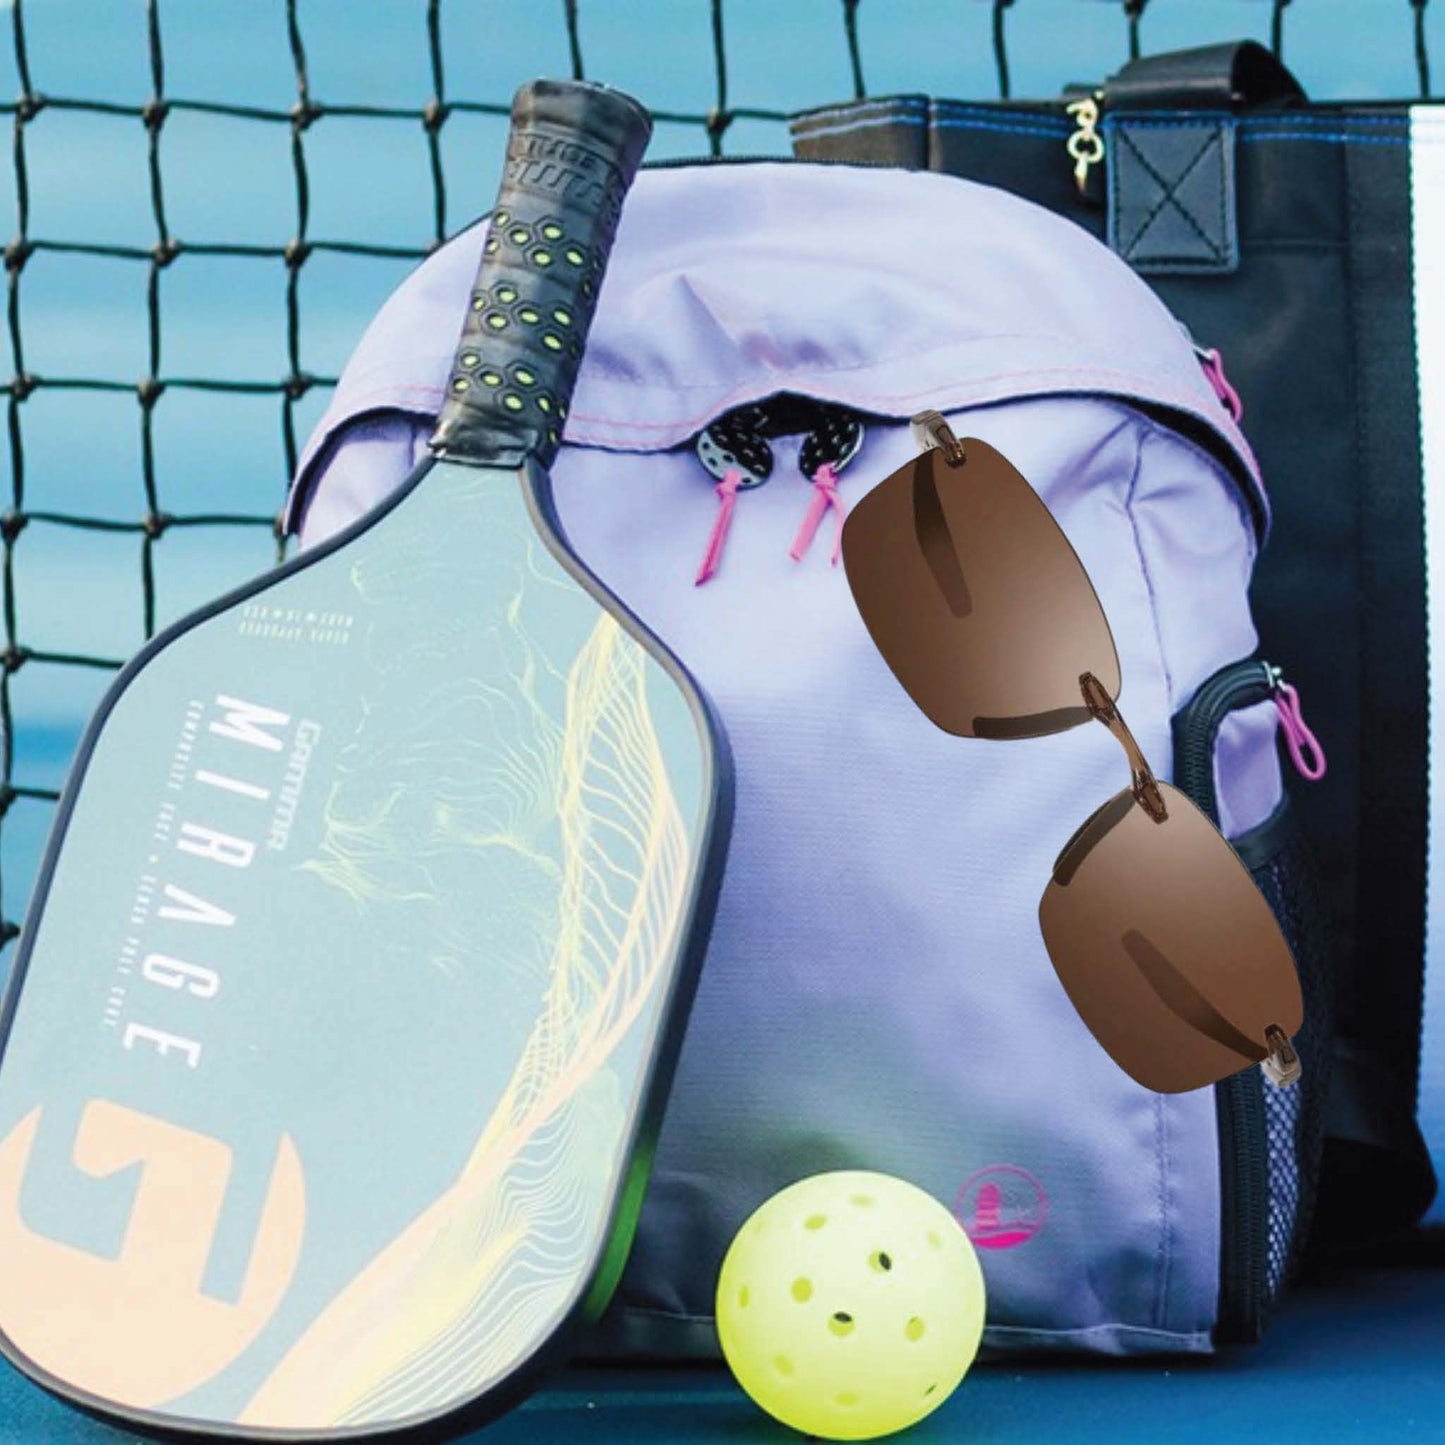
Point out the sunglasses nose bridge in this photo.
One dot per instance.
(1106, 711)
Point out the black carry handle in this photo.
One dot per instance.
(1239, 76)
(571, 156)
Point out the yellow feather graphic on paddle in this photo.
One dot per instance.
(478, 1276)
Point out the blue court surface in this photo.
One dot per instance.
(1361, 1358)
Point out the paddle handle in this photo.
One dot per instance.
(572, 153)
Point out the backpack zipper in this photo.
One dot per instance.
(1240, 684)
(1244, 1208)
(735, 449)
(1239, 1100)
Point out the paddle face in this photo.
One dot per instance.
(1166, 947)
(366, 928)
(975, 598)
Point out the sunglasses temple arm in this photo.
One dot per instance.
(1276, 1055)
(931, 429)
(1185, 1001)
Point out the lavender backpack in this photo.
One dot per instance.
(877, 993)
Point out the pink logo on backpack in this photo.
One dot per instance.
(1001, 1206)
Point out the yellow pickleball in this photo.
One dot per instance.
(850, 1305)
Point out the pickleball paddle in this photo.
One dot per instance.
(341, 1024)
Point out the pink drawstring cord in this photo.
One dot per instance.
(727, 491)
(1298, 735)
(1213, 364)
(825, 495)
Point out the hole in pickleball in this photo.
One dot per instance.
(881, 1261)
(783, 1365)
(863, 1201)
(847, 1399)
(802, 1290)
(841, 1324)
(815, 1221)
(929, 1391)
(914, 1329)
(934, 1242)
(743, 1298)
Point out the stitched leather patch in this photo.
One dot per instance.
(1171, 193)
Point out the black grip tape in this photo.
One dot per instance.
(572, 153)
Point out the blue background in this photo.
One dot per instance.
(230, 180)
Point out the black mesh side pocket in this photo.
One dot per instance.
(1279, 859)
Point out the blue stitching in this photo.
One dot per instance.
(1136, 122)
(1323, 120)
(917, 119)
(921, 121)
(1057, 126)
(912, 102)
(864, 124)
(1345, 137)
(961, 117)
(1258, 122)
(967, 124)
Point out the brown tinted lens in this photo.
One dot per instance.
(1165, 946)
(975, 598)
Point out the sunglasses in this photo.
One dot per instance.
(986, 616)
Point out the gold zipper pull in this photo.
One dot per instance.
(1282, 1067)
(1085, 145)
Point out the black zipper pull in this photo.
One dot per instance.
(734, 449)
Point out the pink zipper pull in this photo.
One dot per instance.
(734, 450)
(727, 491)
(1297, 733)
(1213, 365)
(825, 495)
(832, 443)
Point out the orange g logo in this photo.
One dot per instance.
(137, 1329)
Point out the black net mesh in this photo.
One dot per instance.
(134, 513)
